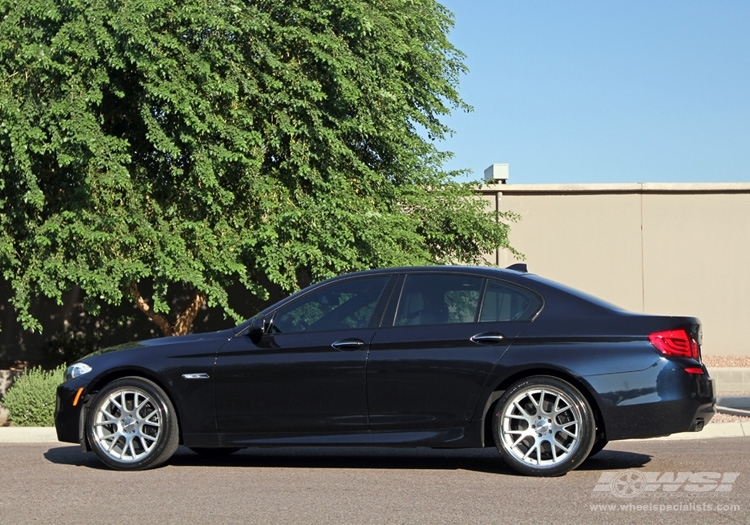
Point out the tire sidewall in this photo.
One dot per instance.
(168, 437)
(587, 427)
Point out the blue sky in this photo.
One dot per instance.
(574, 91)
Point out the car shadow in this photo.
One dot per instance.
(478, 460)
(72, 455)
(615, 460)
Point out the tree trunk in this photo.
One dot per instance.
(184, 320)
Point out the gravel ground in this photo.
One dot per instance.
(727, 361)
(728, 418)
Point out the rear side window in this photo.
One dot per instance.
(504, 302)
(429, 299)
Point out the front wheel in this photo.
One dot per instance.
(132, 425)
(543, 426)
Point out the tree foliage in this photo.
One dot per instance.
(194, 144)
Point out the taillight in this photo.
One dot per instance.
(675, 343)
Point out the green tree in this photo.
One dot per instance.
(194, 144)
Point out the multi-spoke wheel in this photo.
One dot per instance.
(131, 425)
(543, 426)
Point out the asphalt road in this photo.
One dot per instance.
(680, 482)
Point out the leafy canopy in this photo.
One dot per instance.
(196, 144)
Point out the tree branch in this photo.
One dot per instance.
(186, 318)
(160, 319)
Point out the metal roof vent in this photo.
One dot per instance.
(497, 173)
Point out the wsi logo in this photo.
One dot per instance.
(631, 483)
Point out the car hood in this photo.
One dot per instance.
(166, 342)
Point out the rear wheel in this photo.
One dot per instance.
(543, 426)
(599, 445)
(132, 425)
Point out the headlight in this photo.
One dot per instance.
(76, 370)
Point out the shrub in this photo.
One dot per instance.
(31, 399)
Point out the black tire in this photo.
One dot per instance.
(599, 445)
(132, 425)
(543, 426)
(214, 452)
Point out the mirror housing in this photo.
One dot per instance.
(260, 327)
(257, 330)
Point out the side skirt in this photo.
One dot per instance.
(439, 438)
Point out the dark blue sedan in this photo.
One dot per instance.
(409, 357)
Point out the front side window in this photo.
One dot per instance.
(347, 304)
(429, 299)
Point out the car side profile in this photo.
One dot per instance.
(443, 356)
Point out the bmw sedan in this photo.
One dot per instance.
(407, 357)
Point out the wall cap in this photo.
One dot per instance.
(617, 188)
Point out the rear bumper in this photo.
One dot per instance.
(679, 402)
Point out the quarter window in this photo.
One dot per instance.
(503, 302)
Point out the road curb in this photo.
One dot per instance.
(28, 435)
(710, 431)
(715, 430)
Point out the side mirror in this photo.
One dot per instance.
(257, 329)
(260, 327)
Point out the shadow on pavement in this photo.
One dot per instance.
(478, 460)
(73, 456)
(615, 460)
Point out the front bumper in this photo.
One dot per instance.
(68, 409)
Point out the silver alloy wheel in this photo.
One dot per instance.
(127, 425)
(541, 426)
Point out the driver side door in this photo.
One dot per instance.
(307, 373)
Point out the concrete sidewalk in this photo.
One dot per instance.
(48, 435)
(28, 435)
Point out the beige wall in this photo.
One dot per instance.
(677, 249)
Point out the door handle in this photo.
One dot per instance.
(487, 338)
(348, 344)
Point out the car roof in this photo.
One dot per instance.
(485, 270)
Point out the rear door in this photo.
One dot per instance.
(437, 346)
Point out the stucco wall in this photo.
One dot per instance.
(677, 249)
(671, 249)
